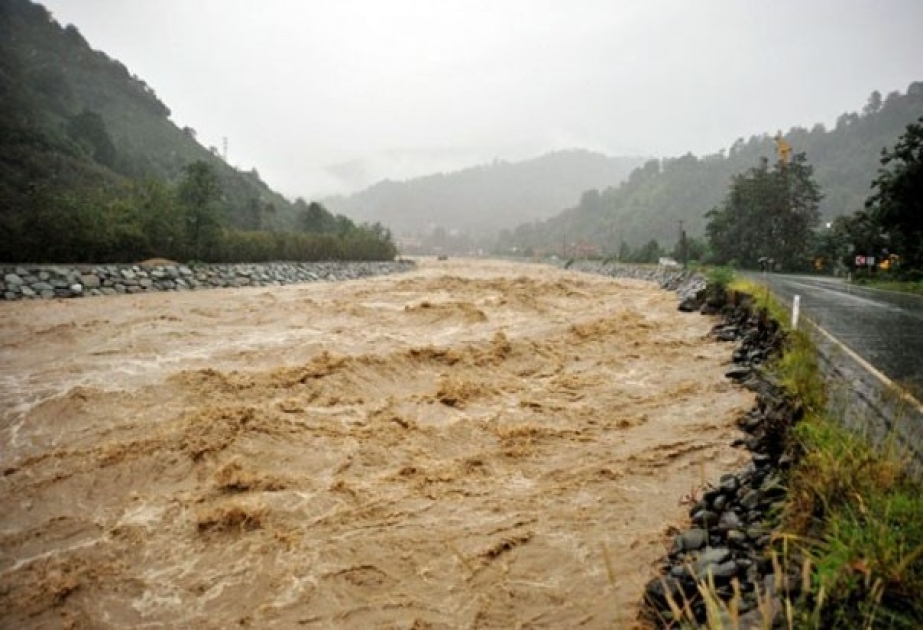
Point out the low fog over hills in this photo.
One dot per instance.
(482, 200)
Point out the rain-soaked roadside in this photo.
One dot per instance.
(871, 348)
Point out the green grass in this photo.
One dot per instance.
(860, 520)
(889, 284)
(800, 373)
(762, 300)
(853, 518)
(719, 277)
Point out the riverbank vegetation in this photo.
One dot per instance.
(852, 527)
(889, 282)
(886, 236)
(184, 222)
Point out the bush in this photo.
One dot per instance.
(720, 277)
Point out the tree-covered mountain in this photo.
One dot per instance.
(91, 164)
(660, 196)
(484, 199)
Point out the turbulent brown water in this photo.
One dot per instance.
(472, 444)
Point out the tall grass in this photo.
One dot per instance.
(859, 518)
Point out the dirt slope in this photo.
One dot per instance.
(474, 444)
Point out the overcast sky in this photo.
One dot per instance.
(325, 96)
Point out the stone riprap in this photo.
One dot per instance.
(689, 285)
(733, 523)
(59, 281)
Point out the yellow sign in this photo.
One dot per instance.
(889, 261)
(783, 149)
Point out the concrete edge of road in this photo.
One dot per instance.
(865, 399)
(878, 290)
(906, 396)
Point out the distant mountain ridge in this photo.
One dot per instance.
(483, 200)
(664, 194)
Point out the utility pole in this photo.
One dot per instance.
(224, 148)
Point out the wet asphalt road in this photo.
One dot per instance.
(883, 327)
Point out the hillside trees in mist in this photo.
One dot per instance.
(88, 128)
(768, 213)
(149, 218)
(657, 196)
(93, 170)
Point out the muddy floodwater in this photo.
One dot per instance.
(474, 444)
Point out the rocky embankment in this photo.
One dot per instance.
(57, 281)
(730, 540)
(690, 286)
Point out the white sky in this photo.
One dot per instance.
(325, 96)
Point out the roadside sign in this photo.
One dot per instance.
(860, 261)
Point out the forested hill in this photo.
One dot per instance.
(484, 199)
(87, 147)
(654, 199)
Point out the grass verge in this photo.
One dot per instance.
(852, 527)
(888, 284)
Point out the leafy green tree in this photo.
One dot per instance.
(80, 226)
(161, 218)
(769, 212)
(343, 226)
(851, 235)
(199, 193)
(649, 253)
(897, 203)
(313, 217)
(696, 249)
